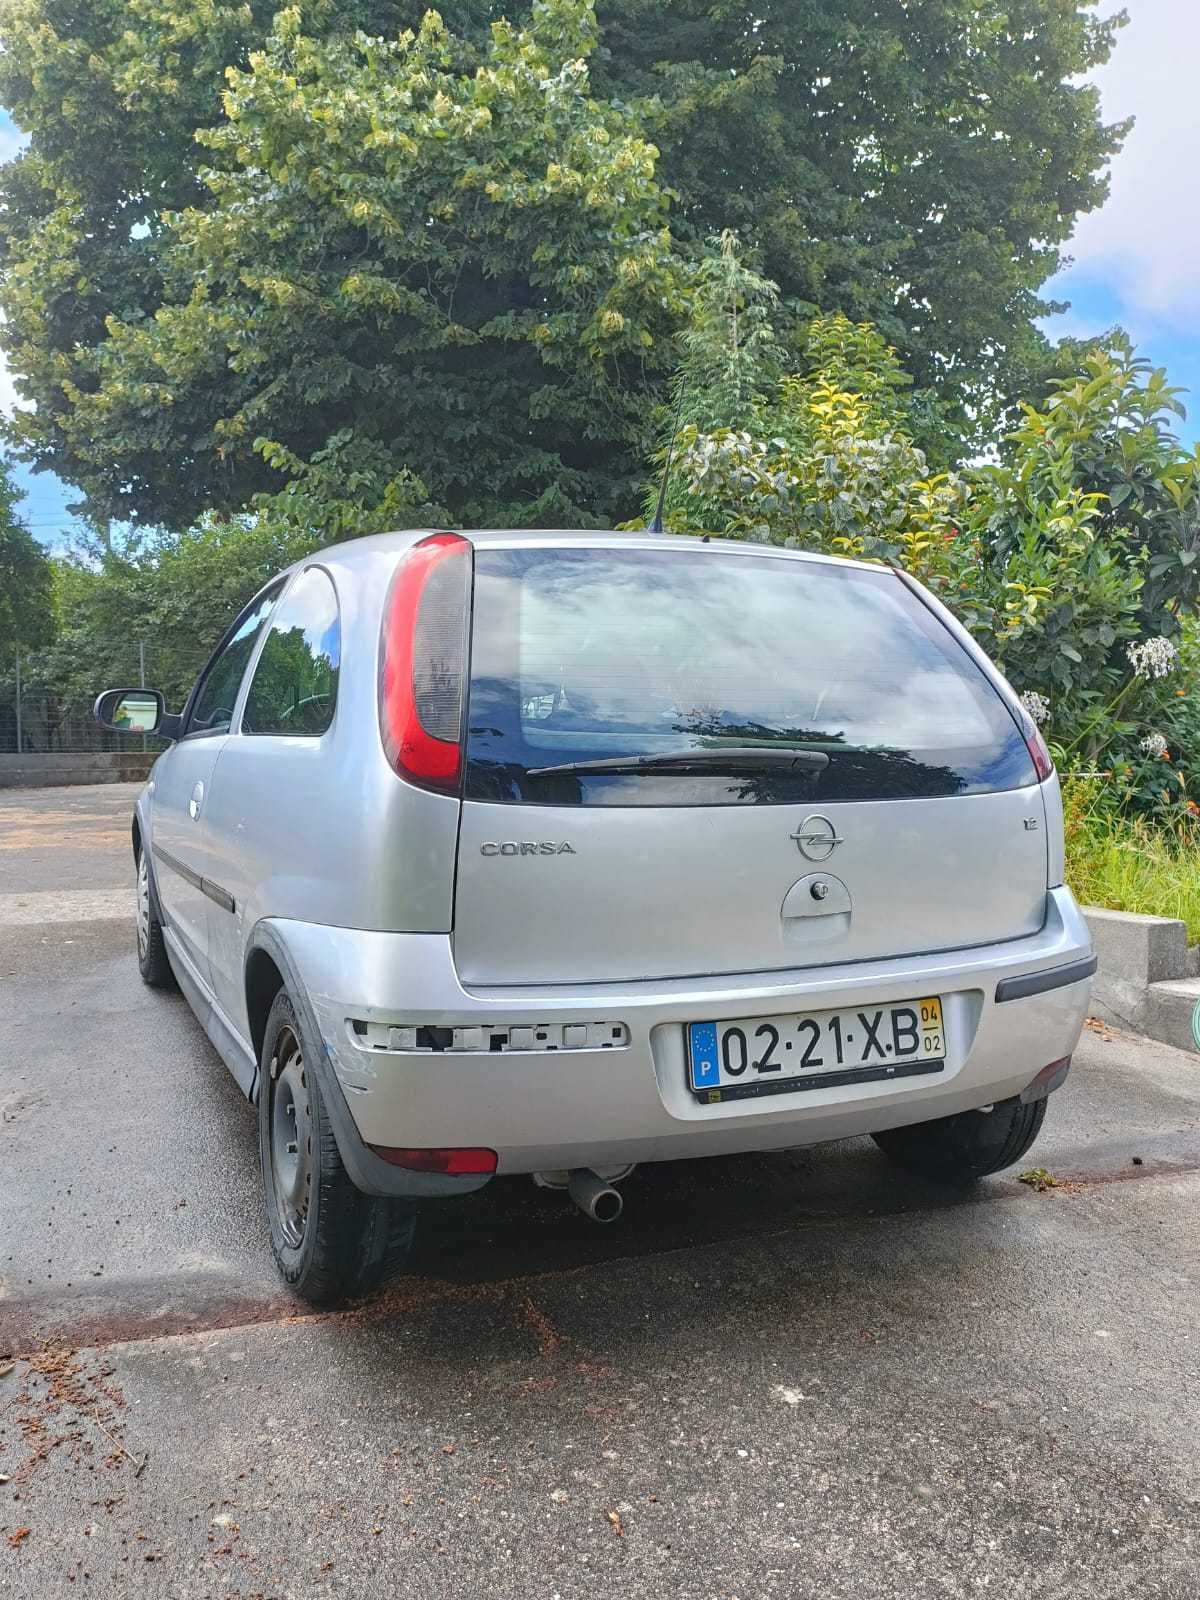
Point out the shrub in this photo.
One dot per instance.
(1074, 558)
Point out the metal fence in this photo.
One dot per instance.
(35, 720)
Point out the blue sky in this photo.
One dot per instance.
(1135, 262)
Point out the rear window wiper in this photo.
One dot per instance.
(732, 759)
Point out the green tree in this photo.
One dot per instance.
(1112, 413)
(466, 272)
(822, 454)
(112, 96)
(176, 594)
(916, 166)
(912, 165)
(1091, 525)
(26, 593)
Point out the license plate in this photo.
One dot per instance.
(775, 1055)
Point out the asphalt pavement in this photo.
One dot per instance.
(787, 1376)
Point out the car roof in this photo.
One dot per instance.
(349, 551)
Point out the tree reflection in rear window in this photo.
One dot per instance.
(590, 655)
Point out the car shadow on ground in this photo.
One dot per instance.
(513, 1228)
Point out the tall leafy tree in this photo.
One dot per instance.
(915, 165)
(469, 268)
(112, 95)
(26, 593)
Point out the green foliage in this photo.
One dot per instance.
(450, 241)
(26, 601)
(1090, 524)
(177, 595)
(1130, 863)
(731, 351)
(465, 274)
(1113, 414)
(916, 166)
(1066, 598)
(348, 488)
(111, 95)
(824, 458)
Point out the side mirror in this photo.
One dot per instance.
(133, 711)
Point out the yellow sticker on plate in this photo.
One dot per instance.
(931, 1012)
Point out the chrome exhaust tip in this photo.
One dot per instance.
(594, 1197)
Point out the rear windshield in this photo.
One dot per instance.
(632, 678)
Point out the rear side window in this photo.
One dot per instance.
(627, 678)
(294, 688)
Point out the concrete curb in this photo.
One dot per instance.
(1148, 978)
(52, 768)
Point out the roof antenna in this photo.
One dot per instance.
(657, 525)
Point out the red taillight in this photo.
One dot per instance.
(1036, 745)
(422, 662)
(450, 1163)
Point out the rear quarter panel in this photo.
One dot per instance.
(321, 830)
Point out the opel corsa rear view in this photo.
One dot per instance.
(552, 853)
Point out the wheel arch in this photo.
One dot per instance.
(263, 980)
(267, 954)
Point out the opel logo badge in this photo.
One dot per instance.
(816, 838)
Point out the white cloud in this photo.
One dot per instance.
(1146, 239)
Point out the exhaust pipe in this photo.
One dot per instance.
(594, 1197)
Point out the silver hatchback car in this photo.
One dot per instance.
(552, 853)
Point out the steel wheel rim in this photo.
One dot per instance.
(143, 905)
(290, 1137)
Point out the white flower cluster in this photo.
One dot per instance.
(1154, 745)
(1153, 658)
(1037, 706)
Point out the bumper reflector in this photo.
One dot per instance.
(450, 1163)
(1048, 1079)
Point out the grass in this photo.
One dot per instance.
(1126, 864)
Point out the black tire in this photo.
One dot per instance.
(330, 1241)
(153, 962)
(964, 1148)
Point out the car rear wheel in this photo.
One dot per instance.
(330, 1241)
(153, 962)
(966, 1147)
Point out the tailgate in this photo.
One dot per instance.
(620, 817)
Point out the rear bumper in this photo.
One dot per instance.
(543, 1109)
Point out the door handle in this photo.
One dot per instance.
(196, 801)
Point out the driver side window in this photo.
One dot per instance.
(212, 711)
